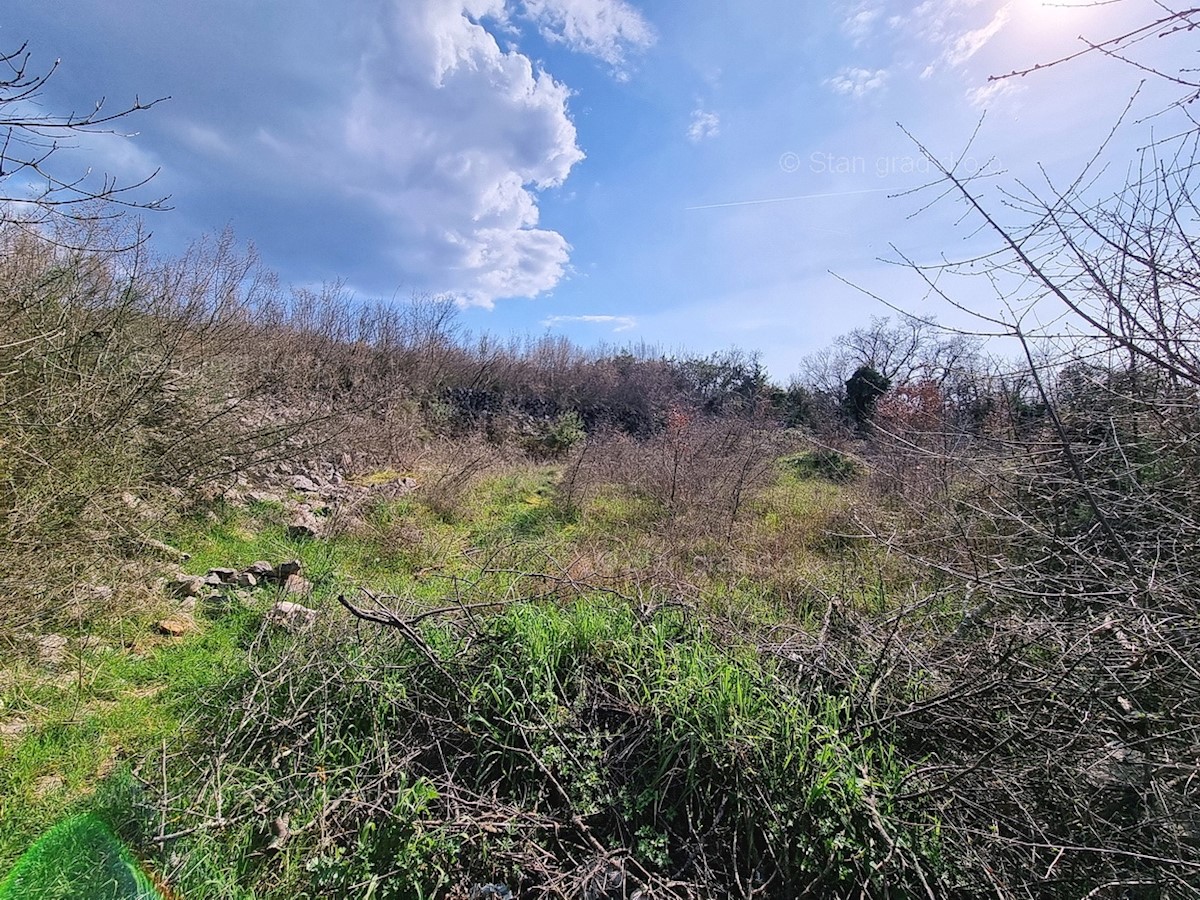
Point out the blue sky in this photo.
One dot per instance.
(686, 174)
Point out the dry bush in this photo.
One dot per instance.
(1054, 699)
(699, 469)
(117, 398)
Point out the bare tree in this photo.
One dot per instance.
(31, 190)
(1062, 734)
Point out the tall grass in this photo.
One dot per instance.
(574, 750)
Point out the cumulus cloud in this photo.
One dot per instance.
(860, 20)
(606, 29)
(450, 137)
(704, 125)
(619, 323)
(399, 144)
(854, 82)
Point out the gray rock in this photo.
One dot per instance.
(297, 584)
(226, 576)
(291, 616)
(187, 585)
(246, 580)
(286, 569)
(303, 483)
(260, 569)
(304, 524)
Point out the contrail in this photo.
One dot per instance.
(785, 199)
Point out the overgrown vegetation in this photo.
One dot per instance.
(611, 623)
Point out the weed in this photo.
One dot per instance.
(581, 728)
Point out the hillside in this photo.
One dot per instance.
(306, 594)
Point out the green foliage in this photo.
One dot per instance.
(522, 506)
(555, 438)
(863, 390)
(115, 706)
(566, 725)
(824, 462)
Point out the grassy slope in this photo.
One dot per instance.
(125, 693)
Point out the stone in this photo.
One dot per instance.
(172, 627)
(246, 580)
(187, 585)
(303, 483)
(262, 497)
(260, 569)
(490, 892)
(226, 576)
(51, 649)
(13, 730)
(286, 569)
(297, 584)
(291, 616)
(304, 525)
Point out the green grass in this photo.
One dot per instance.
(516, 506)
(112, 710)
(579, 709)
(550, 722)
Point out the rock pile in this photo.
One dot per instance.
(285, 576)
(315, 495)
(219, 587)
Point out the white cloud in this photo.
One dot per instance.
(619, 323)
(860, 20)
(401, 144)
(992, 92)
(947, 25)
(704, 125)
(606, 29)
(971, 42)
(450, 137)
(853, 82)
